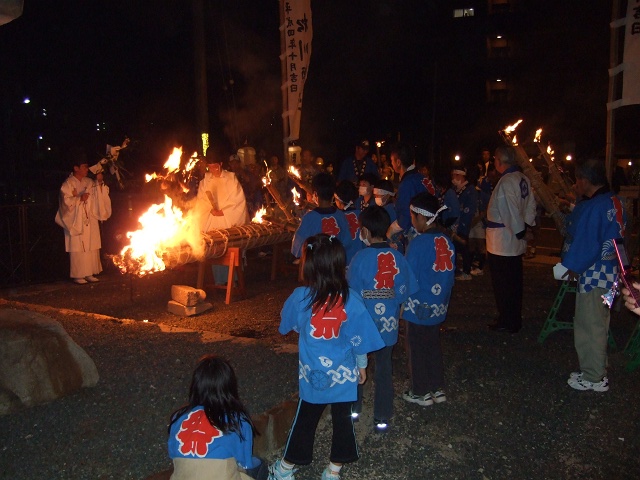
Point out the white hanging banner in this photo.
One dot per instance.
(296, 54)
(630, 66)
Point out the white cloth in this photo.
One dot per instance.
(79, 221)
(225, 193)
(512, 204)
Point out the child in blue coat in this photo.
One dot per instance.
(382, 276)
(432, 257)
(335, 334)
(212, 435)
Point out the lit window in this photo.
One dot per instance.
(463, 12)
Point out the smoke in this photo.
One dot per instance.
(250, 77)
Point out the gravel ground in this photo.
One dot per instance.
(509, 412)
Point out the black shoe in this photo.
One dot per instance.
(496, 327)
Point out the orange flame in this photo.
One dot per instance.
(258, 216)
(537, 136)
(192, 162)
(173, 162)
(511, 128)
(293, 170)
(296, 196)
(161, 223)
(163, 227)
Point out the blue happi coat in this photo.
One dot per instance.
(432, 257)
(331, 221)
(592, 228)
(328, 343)
(193, 436)
(384, 280)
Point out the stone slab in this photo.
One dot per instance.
(185, 311)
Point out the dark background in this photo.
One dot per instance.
(380, 70)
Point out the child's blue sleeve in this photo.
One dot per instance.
(291, 312)
(244, 456)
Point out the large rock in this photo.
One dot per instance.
(39, 361)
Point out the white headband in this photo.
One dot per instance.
(346, 205)
(426, 213)
(380, 191)
(459, 172)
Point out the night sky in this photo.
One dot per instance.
(128, 66)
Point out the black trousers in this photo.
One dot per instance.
(383, 384)
(507, 280)
(425, 358)
(299, 449)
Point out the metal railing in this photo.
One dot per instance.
(31, 245)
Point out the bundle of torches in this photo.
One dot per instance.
(547, 198)
(170, 235)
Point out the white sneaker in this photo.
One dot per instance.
(423, 400)
(575, 375)
(439, 396)
(579, 383)
(91, 279)
(80, 281)
(476, 272)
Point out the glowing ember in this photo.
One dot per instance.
(296, 196)
(294, 171)
(258, 216)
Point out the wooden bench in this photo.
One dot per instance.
(232, 259)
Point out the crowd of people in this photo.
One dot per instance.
(373, 250)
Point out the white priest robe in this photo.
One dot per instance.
(80, 223)
(222, 193)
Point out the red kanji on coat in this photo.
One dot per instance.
(196, 434)
(330, 226)
(326, 323)
(444, 255)
(429, 186)
(619, 218)
(387, 271)
(352, 220)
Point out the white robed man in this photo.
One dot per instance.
(223, 204)
(83, 203)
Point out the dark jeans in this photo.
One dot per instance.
(299, 449)
(425, 357)
(383, 384)
(507, 279)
